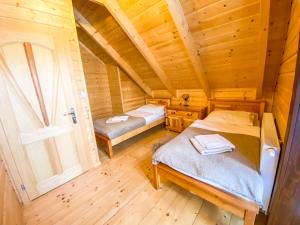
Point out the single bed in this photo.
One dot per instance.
(230, 180)
(139, 120)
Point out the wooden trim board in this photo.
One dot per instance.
(158, 101)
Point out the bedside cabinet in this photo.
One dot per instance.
(180, 117)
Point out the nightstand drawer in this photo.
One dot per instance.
(171, 112)
(190, 115)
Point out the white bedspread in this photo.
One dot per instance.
(228, 128)
(149, 117)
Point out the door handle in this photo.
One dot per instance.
(72, 113)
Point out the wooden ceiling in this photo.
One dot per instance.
(226, 39)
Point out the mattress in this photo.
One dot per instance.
(136, 120)
(114, 130)
(235, 172)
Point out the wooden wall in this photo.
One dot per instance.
(96, 77)
(198, 98)
(133, 95)
(10, 208)
(286, 195)
(284, 87)
(110, 89)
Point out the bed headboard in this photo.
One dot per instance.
(256, 106)
(158, 101)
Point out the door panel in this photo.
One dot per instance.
(175, 123)
(37, 90)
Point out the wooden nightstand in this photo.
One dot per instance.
(180, 117)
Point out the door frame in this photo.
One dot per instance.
(290, 148)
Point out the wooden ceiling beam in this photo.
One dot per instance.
(182, 26)
(263, 45)
(113, 7)
(87, 27)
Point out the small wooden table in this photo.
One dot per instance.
(180, 117)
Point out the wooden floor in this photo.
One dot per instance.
(120, 192)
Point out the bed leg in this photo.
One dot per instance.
(156, 177)
(249, 217)
(109, 149)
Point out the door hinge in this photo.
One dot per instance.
(23, 187)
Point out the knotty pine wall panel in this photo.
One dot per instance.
(198, 98)
(96, 77)
(133, 95)
(284, 87)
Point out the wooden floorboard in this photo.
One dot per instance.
(120, 192)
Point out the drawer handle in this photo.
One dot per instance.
(189, 114)
(172, 112)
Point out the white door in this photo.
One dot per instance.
(38, 110)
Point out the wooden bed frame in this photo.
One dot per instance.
(112, 142)
(230, 202)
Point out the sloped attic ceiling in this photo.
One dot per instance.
(91, 44)
(227, 35)
(106, 25)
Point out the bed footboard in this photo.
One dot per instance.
(234, 204)
(107, 142)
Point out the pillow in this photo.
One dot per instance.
(150, 108)
(232, 117)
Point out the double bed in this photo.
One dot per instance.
(231, 180)
(139, 120)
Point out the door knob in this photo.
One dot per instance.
(72, 113)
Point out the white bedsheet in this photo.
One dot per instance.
(149, 117)
(228, 128)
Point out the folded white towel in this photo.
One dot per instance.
(211, 141)
(222, 146)
(117, 119)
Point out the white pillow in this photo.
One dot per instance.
(150, 108)
(232, 117)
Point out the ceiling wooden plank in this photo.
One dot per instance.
(264, 32)
(181, 23)
(113, 7)
(82, 21)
